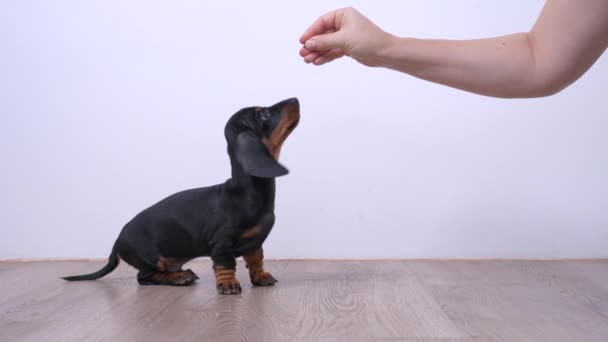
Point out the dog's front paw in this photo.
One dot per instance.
(265, 279)
(229, 287)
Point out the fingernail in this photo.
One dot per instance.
(310, 44)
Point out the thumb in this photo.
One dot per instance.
(325, 42)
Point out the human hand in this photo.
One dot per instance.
(344, 32)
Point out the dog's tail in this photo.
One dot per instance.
(109, 267)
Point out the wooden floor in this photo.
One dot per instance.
(314, 301)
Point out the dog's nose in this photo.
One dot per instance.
(292, 103)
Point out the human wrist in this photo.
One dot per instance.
(388, 46)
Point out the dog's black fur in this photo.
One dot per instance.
(223, 221)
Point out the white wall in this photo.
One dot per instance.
(108, 106)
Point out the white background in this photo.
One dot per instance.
(109, 106)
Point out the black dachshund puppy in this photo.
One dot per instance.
(223, 221)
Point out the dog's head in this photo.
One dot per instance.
(255, 136)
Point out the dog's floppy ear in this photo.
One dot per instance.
(255, 158)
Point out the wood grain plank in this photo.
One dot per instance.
(509, 301)
(348, 300)
(329, 301)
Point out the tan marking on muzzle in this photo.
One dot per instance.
(290, 116)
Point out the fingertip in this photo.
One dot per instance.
(320, 25)
(309, 33)
(311, 57)
(304, 52)
(304, 37)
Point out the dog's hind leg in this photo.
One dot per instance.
(180, 278)
(165, 272)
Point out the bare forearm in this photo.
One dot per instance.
(566, 40)
(500, 67)
(568, 37)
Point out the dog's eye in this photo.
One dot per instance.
(264, 115)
